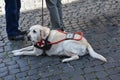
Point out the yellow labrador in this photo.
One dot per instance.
(41, 36)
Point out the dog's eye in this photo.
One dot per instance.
(34, 31)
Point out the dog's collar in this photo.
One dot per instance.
(44, 44)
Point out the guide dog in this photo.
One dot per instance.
(44, 39)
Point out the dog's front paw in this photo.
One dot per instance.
(14, 51)
(65, 60)
(17, 53)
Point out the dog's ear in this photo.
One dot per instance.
(45, 32)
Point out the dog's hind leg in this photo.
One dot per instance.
(74, 57)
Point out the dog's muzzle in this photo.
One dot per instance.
(29, 38)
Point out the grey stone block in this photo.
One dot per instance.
(21, 75)
(3, 74)
(25, 68)
(3, 69)
(9, 77)
(14, 71)
(15, 66)
(2, 65)
(101, 74)
(115, 77)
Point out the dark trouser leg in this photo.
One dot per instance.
(55, 15)
(59, 5)
(12, 10)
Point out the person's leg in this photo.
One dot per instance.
(12, 12)
(18, 9)
(12, 17)
(59, 6)
(54, 13)
(18, 16)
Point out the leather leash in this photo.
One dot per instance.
(42, 13)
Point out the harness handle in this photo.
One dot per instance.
(80, 33)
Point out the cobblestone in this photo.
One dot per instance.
(115, 77)
(100, 22)
(90, 76)
(101, 74)
(10, 77)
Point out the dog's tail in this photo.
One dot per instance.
(94, 54)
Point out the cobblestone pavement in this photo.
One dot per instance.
(100, 22)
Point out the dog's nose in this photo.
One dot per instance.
(29, 38)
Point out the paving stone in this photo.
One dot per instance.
(2, 43)
(14, 71)
(7, 48)
(65, 76)
(25, 78)
(44, 79)
(35, 77)
(113, 71)
(44, 74)
(106, 78)
(109, 65)
(34, 66)
(1, 49)
(13, 66)
(68, 68)
(22, 62)
(101, 74)
(115, 77)
(90, 76)
(10, 63)
(89, 70)
(25, 68)
(3, 74)
(6, 60)
(2, 65)
(0, 38)
(33, 71)
(15, 58)
(78, 77)
(99, 68)
(3, 69)
(21, 75)
(57, 77)
(9, 77)
(1, 60)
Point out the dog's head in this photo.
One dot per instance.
(38, 33)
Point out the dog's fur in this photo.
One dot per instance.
(70, 48)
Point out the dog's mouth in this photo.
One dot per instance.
(28, 38)
(33, 42)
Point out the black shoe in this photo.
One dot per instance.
(16, 38)
(22, 32)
